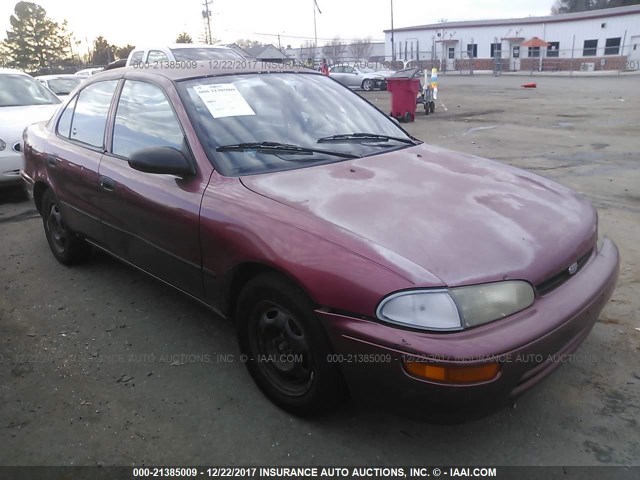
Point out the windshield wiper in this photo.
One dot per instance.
(281, 148)
(358, 137)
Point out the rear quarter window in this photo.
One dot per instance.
(90, 113)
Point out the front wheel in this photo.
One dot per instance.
(65, 245)
(367, 85)
(287, 349)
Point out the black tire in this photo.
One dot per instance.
(65, 245)
(286, 347)
(407, 117)
(432, 107)
(368, 85)
(426, 108)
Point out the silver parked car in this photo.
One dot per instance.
(23, 101)
(62, 84)
(358, 77)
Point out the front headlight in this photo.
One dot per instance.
(456, 308)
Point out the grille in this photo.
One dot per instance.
(558, 279)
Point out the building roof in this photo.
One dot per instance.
(565, 17)
(258, 51)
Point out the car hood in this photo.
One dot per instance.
(13, 120)
(464, 219)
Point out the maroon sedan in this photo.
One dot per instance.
(352, 257)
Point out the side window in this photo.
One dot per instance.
(349, 70)
(144, 119)
(137, 56)
(90, 115)
(64, 124)
(157, 56)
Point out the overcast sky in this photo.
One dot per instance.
(156, 21)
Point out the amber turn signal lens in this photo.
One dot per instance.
(460, 375)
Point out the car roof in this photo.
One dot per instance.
(60, 75)
(202, 70)
(13, 71)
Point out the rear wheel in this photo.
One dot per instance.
(286, 347)
(65, 245)
(432, 107)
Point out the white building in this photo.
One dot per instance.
(607, 39)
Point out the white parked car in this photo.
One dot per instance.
(23, 101)
(62, 85)
(181, 52)
(87, 72)
(358, 77)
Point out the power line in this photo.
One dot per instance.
(312, 38)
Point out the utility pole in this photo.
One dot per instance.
(206, 15)
(315, 29)
(393, 45)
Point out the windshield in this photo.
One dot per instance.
(21, 90)
(63, 86)
(184, 54)
(233, 114)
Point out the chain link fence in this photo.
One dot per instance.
(463, 59)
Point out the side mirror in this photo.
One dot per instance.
(162, 160)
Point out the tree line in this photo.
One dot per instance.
(35, 43)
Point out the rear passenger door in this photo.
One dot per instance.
(151, 220)
(74, 158)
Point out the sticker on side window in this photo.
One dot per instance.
(223, 100)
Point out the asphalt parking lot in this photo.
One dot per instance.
(102, 365)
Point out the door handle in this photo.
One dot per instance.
(52, 160)
(107, 184)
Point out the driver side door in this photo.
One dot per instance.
(151, 220)
(352, 79)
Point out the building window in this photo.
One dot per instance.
(452, 53)
(516, 51)
(612, 47)
(496, 50)
(553, 49)
(472, 50)
(590, 48)
(534, 52)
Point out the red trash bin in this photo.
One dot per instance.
(403, 97)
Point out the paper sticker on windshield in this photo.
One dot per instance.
(224, 100)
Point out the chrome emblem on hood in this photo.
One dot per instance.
(573, 269)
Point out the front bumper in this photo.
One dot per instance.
(10, 165)
(528, 345)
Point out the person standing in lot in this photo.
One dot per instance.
(324, 68)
